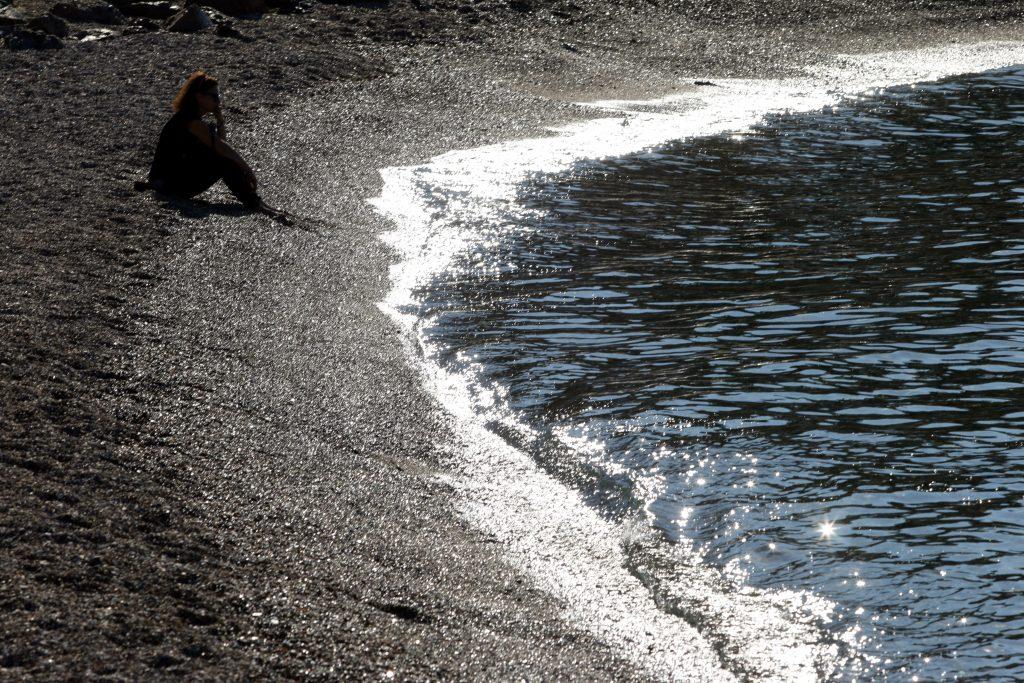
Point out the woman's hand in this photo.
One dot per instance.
(222, 131)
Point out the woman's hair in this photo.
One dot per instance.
(185, 100)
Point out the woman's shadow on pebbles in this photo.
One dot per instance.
(198, 209)
(201, 208)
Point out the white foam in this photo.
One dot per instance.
(565, 546)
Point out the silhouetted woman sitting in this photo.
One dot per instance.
(192, 155)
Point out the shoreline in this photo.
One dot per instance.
(220, 462)
(540, 517)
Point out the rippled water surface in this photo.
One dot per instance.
(801, 347)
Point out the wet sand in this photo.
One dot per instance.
(217, 459)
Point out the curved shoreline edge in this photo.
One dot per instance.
(545, 527)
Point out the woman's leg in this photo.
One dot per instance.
(237, 182)
(232, 175)
(208, 173)
(196, 182)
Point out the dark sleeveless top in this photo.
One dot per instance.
(180, 156)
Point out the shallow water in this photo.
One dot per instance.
(800, 348)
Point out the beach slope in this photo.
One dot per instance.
(217, 460)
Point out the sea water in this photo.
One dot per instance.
(797, 349)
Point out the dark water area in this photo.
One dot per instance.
(802, 348)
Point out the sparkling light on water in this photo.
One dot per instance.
(444, 208)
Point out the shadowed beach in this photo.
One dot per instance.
(217, 459)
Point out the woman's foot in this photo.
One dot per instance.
(277, 214)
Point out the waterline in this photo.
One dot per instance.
(546, 527)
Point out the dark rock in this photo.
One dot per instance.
(405, 612)
(50, 25)
(151, 10)
(190, 20)
(238, 8)
(226, 29)
(21, 39)
(163, 661)
(197, 617)
(12, 659)
(195, 650)
(92, 11)
(216, 17)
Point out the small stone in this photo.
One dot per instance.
(96, 34)
(151, 10)
(163, 661)
(9, 16)
(190, 20)
(238, 8)
(288, 7)
(226, 29)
